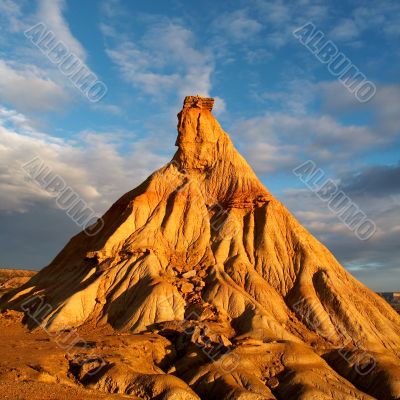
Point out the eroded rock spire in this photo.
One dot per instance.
(165, 257)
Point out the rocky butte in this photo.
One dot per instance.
(217, 278)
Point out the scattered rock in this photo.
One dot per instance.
(189, 274)
(272, 383)
(187, 287)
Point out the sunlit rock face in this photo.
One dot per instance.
(202, 240)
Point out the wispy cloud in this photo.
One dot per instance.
(384, 15)
(28, 89)
(383, 108)
(282, 17)
(165, 46)
(374, 181)
(237, 25)
(90, 164)
(50, 12)
(11, 14)
(278, 141)
(376, 258)
(294, 128)
(345, 29)
(28, 81)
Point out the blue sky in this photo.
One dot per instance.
(280, 105)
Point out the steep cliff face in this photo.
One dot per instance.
(202, 235)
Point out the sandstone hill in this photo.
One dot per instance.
(13, 278)
(201, 255)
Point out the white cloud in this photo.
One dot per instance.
(279, 141)
(108, 108)
(50, 12)
(345, 29)
(134, 65)
(238, 25)
(384, 15)
(383, 107)
(28, 82)
(164, 46)
(91, 165)
(295, 97)
(283, 17)
(10, 10)
(275, 11)
(366, 259)
(291, 132)
(219, 106)
(28, 88)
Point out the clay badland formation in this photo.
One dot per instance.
(202, 285)
(13, 278)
